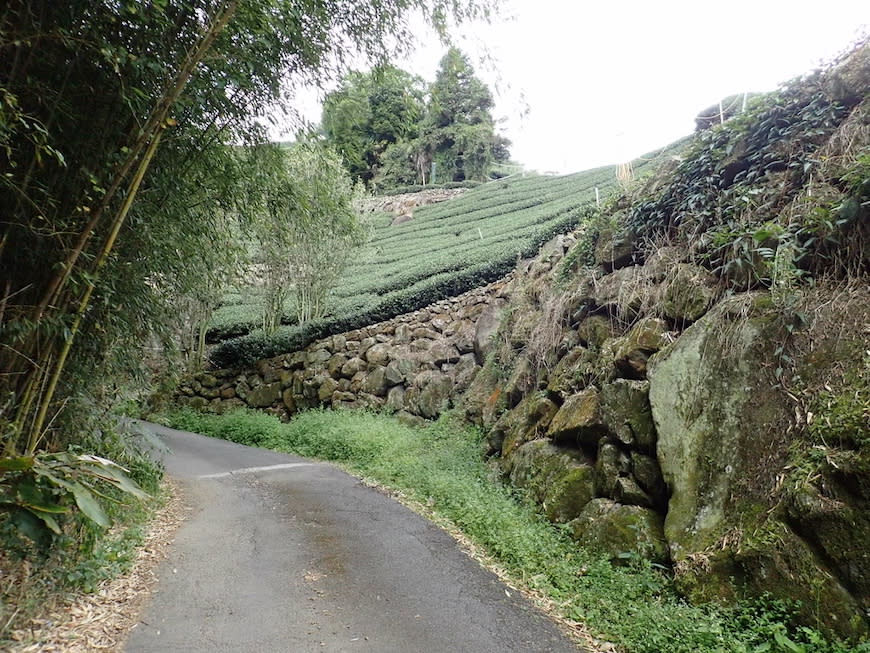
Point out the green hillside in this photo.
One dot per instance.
(446, 249)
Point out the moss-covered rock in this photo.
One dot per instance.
(579, 420)
(376, 382)
(594, 330)
(646, 470)
(481, 400)
(430, 394)
(523, 380)
(689, 292)
(324, 392)
(611, 464)
(838, 527)
(264, 395)
(334, 365)
(645, 338)
(573, 372)
(626, 412)
(615, 249)
(560, 479)
(726, 436)
(773, 561)
(713, 406)
(623, 293)
(621, 532)
(353, 367)
(395, 399)
(527, 421)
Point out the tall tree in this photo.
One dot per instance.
(459, 129)
(368, 113)
(345, 122)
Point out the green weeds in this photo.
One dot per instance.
(441, 466)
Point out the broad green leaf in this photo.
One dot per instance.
(89, 505)
(32, 497)
(46, 519)
(119, 479)
(30, 526)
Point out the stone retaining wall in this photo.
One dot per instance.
(414, 364)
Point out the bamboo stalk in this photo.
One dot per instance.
(153, 128)
(154, 124)
(45, 402)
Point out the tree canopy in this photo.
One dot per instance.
(369, 112)
(390, 127)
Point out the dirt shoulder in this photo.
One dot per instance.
(102, 621)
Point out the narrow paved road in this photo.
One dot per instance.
(289, 555)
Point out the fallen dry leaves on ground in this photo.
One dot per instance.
(102, 621)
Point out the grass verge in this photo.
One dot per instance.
(440, 466)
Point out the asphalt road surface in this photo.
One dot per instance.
(289, 555)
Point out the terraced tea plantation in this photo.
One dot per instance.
(446, 249)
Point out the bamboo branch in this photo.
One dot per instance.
(154, 124)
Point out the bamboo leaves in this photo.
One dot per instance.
(36, 490)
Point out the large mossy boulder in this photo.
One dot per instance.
(430, 394)
(632, 351)
(689, 292)
(626, 412)
(713, 408)
(579, 420)
(560, 479)
(485, 330)
(525, 422)
(726, 437)
(264, 395)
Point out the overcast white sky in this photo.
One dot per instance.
(582, 84)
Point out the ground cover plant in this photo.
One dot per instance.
(440, 466)
(446, 249)
(41, 568)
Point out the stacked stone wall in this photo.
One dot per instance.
(415, 365)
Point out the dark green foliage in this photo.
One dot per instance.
(730, 197)
(378, 122)
(370, 112)
(459, 131)
(117, 122)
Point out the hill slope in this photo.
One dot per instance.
(445, 250)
